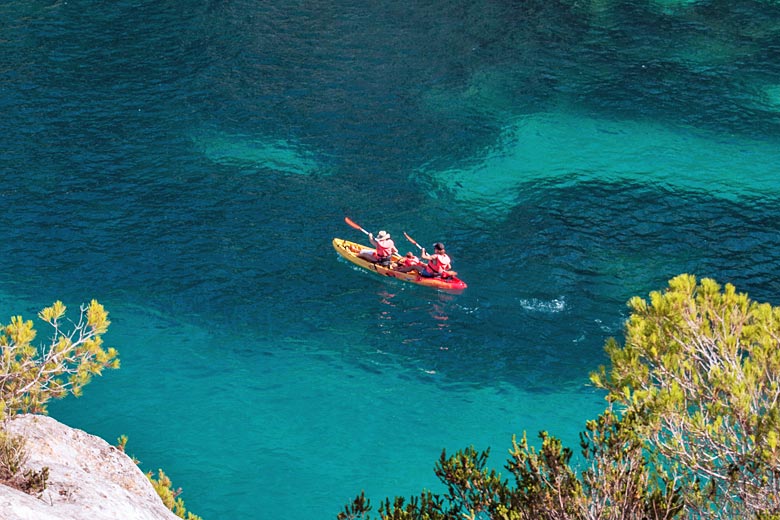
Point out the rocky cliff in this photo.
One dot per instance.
(88, 478)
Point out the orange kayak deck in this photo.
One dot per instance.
(350, 251)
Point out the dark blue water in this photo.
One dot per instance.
(188, 163)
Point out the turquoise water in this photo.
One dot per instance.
(188, 163)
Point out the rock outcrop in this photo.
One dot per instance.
(88, 478)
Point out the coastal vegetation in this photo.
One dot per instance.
(691, 427)
(30, 377)
(170, 496)
(163, 486)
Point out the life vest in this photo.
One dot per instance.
(410, 260)
(438, 264)
(384, 248)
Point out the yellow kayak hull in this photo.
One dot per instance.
(351, 250)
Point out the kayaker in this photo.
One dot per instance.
(438, 263)
(408, 260)
(385, 249)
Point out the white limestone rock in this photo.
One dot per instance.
(88, 478)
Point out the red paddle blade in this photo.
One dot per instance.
(351, 223)
(410, 239)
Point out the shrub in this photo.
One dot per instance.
(691, 428)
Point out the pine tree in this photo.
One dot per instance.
(30, 377)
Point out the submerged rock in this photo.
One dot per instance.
(88, 478)
(563, 148)
(276, 154)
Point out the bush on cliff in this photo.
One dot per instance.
(691, 428)
(30, 377)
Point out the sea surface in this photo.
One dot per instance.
(187, 164)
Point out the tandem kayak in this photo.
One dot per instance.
(350, 251)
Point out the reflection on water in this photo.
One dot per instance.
(438, 312)
(386, 313)
(396, 306)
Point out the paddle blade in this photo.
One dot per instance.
(351, 223)
(410, 239)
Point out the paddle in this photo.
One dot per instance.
(351, 223)
(410, 239)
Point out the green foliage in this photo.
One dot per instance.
(30, 377)
(13, 455)
(34, 482)
(700, 373)
(357, 509)
(623, 479)
(545, 485)
(691, 429)
(470, 483)
(121, 443)
(164, 487)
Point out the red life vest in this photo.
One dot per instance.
(438, 264)
(410, 260)
(384, 248)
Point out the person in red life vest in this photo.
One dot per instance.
(385, 249)
(438, 263)
(408, 260)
